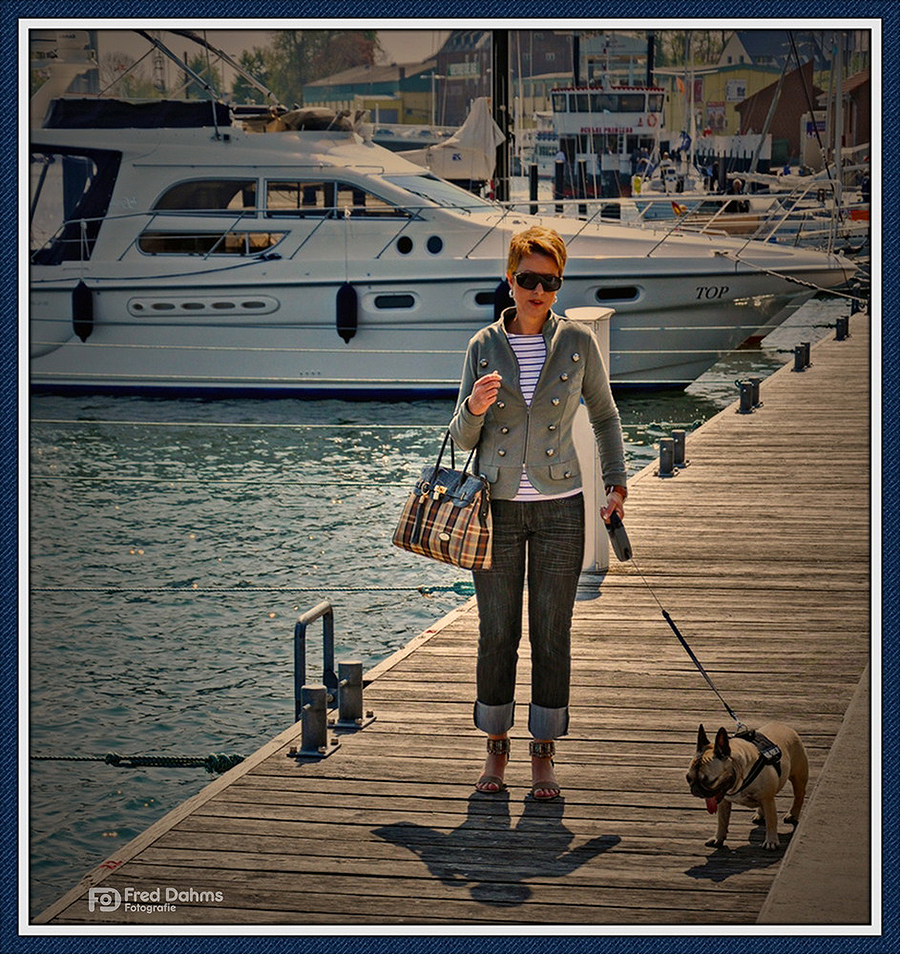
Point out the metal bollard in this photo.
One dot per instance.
(350, 693)
(313, 727)
(806, 353)
(799, 358)
(746, 397)
(678, 440)
(842, 328)
(666, 457)
(754, 391)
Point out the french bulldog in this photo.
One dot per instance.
(719, 770)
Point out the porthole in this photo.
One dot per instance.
(404, 245)
(434, 244)
(193, 306)
(484, 298)
(394, 301)
(162, 306)
(253, 304)
(223, 305)
(618, 293)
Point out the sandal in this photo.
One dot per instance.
(543, 750)
(494, 747)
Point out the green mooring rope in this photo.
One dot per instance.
(215, 762)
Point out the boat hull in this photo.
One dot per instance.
(667, 329)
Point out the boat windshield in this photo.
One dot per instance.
(439, 191)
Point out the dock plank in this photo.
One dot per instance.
(763, 562)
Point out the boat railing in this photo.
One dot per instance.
(800, 217)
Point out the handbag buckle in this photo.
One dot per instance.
(439, 491)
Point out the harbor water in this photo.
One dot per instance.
(173, 543)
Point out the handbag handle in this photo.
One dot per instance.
(440, 456)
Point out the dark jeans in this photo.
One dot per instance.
(546, 537)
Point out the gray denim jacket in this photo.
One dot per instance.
(511, 433)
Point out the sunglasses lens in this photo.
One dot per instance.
(529, 281)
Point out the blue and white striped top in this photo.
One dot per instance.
(531, 353)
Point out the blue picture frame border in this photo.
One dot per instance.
(709, 939)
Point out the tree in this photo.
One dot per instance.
(124, 77)
(706, 46)
(255, 63)
(206, 71)
(297, 57)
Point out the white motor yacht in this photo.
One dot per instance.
(176, 249)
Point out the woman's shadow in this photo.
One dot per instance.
(490, 856)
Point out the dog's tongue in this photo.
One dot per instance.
(712, 805)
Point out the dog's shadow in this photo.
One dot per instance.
(726, 862)
(490, 856)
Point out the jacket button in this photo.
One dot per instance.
(551, 427)
(564, 377)
(501, 452)
(568, 473)
(501, 405)
(576, 356)
(555, 402)
(483, 362)
(550, 452)
(504, 430)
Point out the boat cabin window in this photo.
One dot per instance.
(316, 198)
(210, 195)
(631, 103)
(70, 195)
(193, 242)
(438, 192)
(560, 103)
(655, 102)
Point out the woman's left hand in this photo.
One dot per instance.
(614, 501)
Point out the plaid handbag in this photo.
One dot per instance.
(448, 516)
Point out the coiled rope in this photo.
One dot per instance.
(217, 762)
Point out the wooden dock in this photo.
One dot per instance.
(759, 550)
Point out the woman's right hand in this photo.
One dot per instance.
(484, 393)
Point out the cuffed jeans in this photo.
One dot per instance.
(547, 538)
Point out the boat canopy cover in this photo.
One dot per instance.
(121, 114)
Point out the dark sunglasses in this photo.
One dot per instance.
(529, 281)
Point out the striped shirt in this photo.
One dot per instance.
(531, 353)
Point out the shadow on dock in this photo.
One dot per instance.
(493, 858)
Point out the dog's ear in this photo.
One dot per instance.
(702, 740)
(723, 747)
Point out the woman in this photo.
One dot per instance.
(523, 380)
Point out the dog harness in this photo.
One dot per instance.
(769, 754)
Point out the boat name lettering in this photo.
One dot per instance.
(607, 129)
(711, 291)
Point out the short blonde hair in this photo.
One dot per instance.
(539, 239)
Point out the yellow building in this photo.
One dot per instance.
(715, 96)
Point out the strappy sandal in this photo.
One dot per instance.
(543, 750)
(494, 747)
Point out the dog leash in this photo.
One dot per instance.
(622, 547)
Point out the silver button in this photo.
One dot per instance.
(483, 362)
(568, 473)
(501, 453)
(551, 427)
(576, 356)
(555, 402)
(504, 430)
(550, 452)
(501, 405)
(564, 377)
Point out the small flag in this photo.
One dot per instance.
(679, 209)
